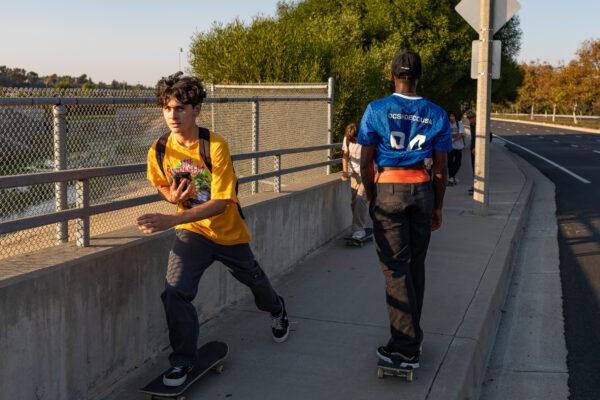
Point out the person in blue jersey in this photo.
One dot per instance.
(399, 133)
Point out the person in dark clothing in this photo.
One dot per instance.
(399, 133)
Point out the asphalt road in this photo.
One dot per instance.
(576, 158)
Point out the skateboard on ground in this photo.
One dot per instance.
(384, 368)
(210, 358)
(350, 241)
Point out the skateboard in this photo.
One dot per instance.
(350, 241)
(384, 368)
(210, 356)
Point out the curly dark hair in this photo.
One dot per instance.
(186, 89)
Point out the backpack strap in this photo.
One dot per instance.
(159, 151)
(204, 137)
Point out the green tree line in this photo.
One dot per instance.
(354, 41)
(18, 77)
(572, 88)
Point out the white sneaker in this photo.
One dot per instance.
(456, 181)
(360, 234)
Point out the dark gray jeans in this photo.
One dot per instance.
(401, 214)
(190, 256)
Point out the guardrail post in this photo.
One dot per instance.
(255, 138)
(277, 179)
(212, 108)
(82, 225)
(330, 83)
(60, 163)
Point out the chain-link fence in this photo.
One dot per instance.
(44, 130)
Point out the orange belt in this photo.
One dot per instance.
(403, 176)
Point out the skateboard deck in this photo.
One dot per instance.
(350, 241)
(210, 357)
(386, 369)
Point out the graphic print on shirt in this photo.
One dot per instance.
(201, 178)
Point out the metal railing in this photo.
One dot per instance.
(83, 210)
(549, 115)
(87, 131)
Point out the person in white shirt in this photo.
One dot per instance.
(351, 170)
(458, 144)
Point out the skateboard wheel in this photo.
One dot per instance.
(409, 376)
(219, 369)
(380, 373)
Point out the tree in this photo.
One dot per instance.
(353, 41)
(573, 87)
(17, 77)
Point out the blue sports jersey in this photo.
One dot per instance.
(405, 130)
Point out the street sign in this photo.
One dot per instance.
(496, 59)
(502, 12)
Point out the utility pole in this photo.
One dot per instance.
(484, 95)
(486, 17)
(180, 51)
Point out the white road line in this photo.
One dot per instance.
(596, 151)
(574, 145)
(556, 141)
(574, 175)
(578, 136)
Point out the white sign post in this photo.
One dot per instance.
(486, 17)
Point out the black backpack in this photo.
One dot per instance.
(204, 146)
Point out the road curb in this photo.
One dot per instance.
(568, 127)
(463, 368)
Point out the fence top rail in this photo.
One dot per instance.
(570, 116)
(40, 178)
(55, 101)
(274, 86)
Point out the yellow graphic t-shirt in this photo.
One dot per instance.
(227, 228)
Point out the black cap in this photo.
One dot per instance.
(406, 64)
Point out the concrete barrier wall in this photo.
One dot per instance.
(79, 320)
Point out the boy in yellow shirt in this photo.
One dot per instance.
(192, 167)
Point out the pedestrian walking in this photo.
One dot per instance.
(458, 144)
(351, 171)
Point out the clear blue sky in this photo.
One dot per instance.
(139, 41)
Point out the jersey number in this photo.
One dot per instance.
(398, 139)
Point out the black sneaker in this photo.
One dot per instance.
(176, 376)
(398, 359)
(281, 326)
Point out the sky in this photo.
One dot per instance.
(138, 41)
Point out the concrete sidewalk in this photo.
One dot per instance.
(336, 301)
